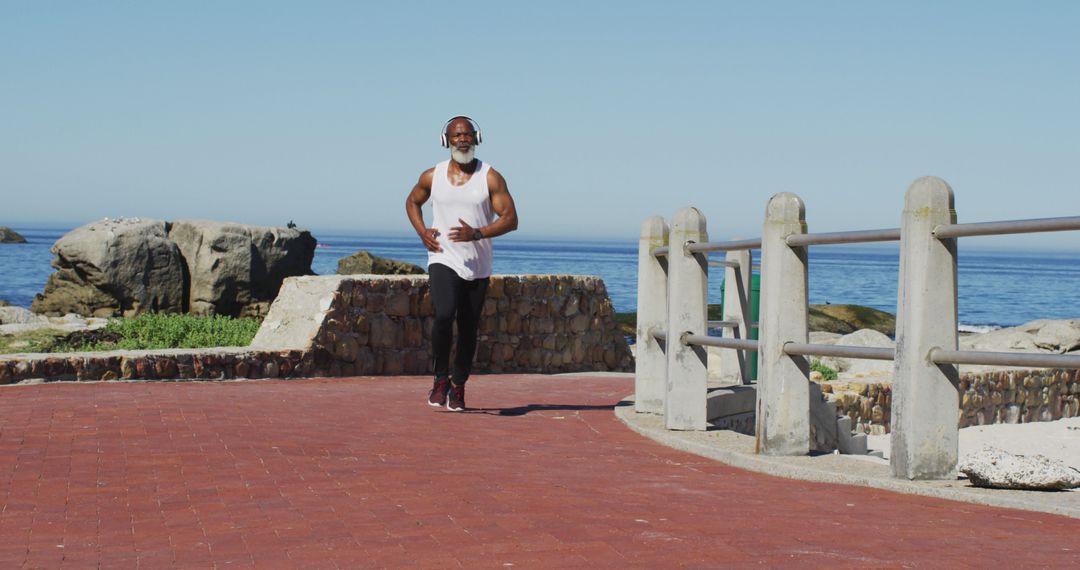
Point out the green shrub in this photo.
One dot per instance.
(160, 330)
(826, 372)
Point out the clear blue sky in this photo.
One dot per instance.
(598, 114)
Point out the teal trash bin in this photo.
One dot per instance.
(755, 296)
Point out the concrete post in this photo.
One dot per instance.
(687, 373)
(925, 436)
(650, 362)
(735, 364)
(783, 392)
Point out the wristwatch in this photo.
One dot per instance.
(477, 236)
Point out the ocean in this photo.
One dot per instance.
(996, 288)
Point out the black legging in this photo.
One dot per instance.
(452, 296)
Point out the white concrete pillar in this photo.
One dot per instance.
(783, 386)
(925, 398)
(688, 276)
(650, 362)
(735, 364)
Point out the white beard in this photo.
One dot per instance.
(463, 157)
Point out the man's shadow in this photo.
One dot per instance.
(522, 410)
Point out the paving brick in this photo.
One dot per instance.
(360, 472)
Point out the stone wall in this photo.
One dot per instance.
(987, 397)
(536, 323)
(359, 325)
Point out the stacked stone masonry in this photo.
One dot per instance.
(375, 325)
(1001, 396)
(547, 324)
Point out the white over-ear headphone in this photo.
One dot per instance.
(476, 129)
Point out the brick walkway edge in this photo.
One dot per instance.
(360, 472)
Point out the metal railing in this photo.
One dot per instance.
(672, 287)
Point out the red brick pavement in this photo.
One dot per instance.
(362, 473)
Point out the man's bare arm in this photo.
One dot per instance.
(503, 204)
(419, 195)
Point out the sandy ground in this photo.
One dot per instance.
(1059, 440)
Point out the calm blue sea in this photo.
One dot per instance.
(996, 288)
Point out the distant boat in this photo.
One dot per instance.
(323, 245)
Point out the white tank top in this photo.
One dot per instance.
(470, 202)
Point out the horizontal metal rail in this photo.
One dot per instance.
(726, 263)
(862, 236)
(864, 352)
(738, 245)
(702, 340)
(661, 251)
(722, 324)
(940, 356)
(1008, 227)
(660, 336)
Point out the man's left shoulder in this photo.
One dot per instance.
(494, 176)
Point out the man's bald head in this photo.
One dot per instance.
(460, 121)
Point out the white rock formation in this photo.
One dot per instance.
(858, 367)
(993, 468)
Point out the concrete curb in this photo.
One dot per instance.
(737, 450)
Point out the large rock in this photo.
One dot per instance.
(993, 468)
(1041, 336)
(819, 321)
(860, 367)
(128, 266)
(18, 316)
(8, 235)
(855, 316)
(235, 269)
(114, 267)
(364, 263)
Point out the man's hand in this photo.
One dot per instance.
(464, 232)
(430, 238)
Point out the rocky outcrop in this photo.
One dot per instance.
(1046, 336)
(235, 269)
(848, 367)
(18, 316)
(846, 319)
(997, 469)
(129, 266)
(364, 263)
(114, 267)
(8, 235)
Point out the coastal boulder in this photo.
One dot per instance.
(236, 269)
(8, 235)
(363, 262)
(114, 268)
(18, 316)
(855, 316)
(861, 366)
(1057, 336)
(996, 469)
(820, 321)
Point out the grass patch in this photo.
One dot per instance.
(145, 332)
(160, 330)
(40, 340)
(826, 372)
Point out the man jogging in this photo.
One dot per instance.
(470, 205)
